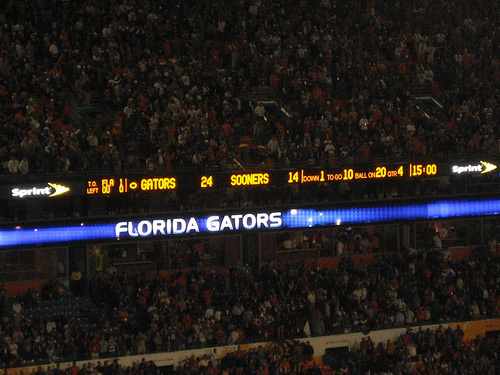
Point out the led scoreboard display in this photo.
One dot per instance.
(122, 184)
(125, 185)
(237, 221)
(374, 173)
(283, 177)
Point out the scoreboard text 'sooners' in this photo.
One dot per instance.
(246, 179)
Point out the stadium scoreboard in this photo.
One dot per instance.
(121, 185)
(113, 185)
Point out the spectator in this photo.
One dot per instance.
(259, 110)
(13, 165)
(23, 166)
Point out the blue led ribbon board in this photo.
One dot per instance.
(304, 218)
(245, 221)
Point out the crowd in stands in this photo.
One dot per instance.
(179, 77)
(440, 351)
(108, 367)
(200, 308)
(176, 76)
(282, 357)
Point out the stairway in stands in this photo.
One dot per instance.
(86, 114)
(270, 100)
(426, 100)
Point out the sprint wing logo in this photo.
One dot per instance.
(488, 167)
(49, 190)
(58, 189)
(479, 168)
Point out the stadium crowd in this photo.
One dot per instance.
(177, 76)
(441, 351)
(143, 313)
(100, 368)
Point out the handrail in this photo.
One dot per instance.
(83, 115)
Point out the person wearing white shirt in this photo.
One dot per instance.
(412, 350)
(234, 336)
(13, 165)
(330, 152)
(259, 110)
(218, 315)
(437, 241)
(363, 123)
(272, 147)
(209, 313)
(53, 50)
(238, 310)
(340, 248)
(24, 166)
(51, 325)
(17, 308)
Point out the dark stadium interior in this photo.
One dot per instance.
(149, 116)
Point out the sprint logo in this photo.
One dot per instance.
(52, 190)
(482, 167)
(488, 167)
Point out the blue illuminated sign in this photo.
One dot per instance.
(294, 218)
